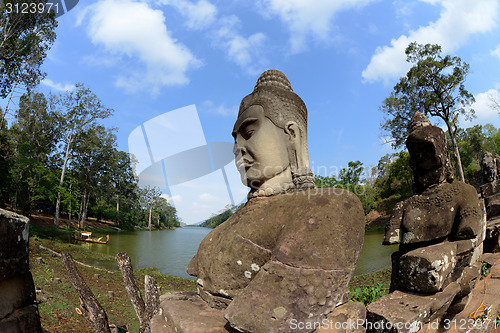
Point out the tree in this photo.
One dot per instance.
(34, 134)
(93, 150)
(78, 110)
(351, 176)
(433, 86)
(121, 177)
(148, 197)
(167, 214)
(25, 39)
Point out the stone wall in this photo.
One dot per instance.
(18, 311)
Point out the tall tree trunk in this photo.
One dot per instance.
(149, 227)
(117, 208)
(457, 152)
(82, 205)
(87, 199)
(58, 202)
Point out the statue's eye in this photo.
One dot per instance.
(249, 132)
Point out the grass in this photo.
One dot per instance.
(370, 287)
(375, 229)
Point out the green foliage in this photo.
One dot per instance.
(351, 176)
(24, 43)
(34, 136)
(368, 294)
(473, 142)
(394, 181)
(484, 270)
(433, 86)
(220, 217)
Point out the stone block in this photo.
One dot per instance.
(493, 205)
(406, 312)
(186, 312)
(18, 311)
(469, 278)
(16, 293)
(426, 269)
(490, 188)
(347, 318)
(24, 320)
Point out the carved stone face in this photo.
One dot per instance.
(260, 148)
(428, 154)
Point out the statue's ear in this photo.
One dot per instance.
(293, 131)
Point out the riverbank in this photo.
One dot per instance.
(59, 299)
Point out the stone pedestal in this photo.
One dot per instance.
(186, 312)
(407, 312)
(18, 311)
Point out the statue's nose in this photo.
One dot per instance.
(238, 151)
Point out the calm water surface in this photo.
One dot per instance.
(171, 250)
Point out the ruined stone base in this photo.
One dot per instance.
(486, 294)
(18, 311)
(492, 241)
(186, 312)
(347, 318)
(406, 312)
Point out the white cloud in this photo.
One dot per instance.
(207, 197)
(459, 19)
(496, 52)
(131, 29)
(58, 86)
(199, 15)
(222, 110)
(244, 51)
(175, 199)
(485, 108)
(306, 18)
(224, 33)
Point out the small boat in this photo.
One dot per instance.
(86, 236)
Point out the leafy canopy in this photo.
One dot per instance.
(433, 86)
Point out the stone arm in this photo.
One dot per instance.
(307, 274)
(393, 227)
(469, 214)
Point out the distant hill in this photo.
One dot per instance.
(221, 217)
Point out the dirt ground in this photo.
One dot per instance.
(376, 219)
(48, 221)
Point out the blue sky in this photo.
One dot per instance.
(342, 57)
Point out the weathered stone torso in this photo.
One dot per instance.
(283, 257)
(446, 210)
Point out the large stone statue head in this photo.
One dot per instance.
(271, 138)
(428, 154)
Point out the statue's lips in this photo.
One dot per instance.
(243, 163)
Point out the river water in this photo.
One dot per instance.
(171, 250)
